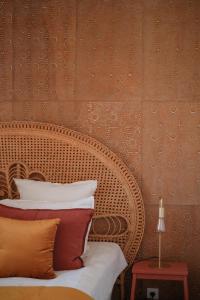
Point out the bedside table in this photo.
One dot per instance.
(170, 271)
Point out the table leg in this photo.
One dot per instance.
(133, 287)
(186, 293)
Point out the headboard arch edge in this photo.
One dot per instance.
(76, 156)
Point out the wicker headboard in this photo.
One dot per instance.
(53, 153)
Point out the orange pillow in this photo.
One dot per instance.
(26, 248)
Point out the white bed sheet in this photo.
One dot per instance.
(103, 264)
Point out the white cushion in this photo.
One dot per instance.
(47, 191)
(61, 196)
(54, 205)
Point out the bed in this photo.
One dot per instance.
(48, 152)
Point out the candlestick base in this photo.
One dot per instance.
(155, 264)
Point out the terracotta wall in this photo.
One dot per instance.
(126, 72)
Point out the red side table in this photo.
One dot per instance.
(171, 271)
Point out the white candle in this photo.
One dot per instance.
(161, 209)
(161, 222)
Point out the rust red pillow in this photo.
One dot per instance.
(70, 237)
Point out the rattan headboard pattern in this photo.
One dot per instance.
(53, 153)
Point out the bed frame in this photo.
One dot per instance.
(53, 153)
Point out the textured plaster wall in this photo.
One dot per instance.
(126, 72)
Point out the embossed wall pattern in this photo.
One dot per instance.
(126, 72)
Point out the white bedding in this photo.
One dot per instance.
(103, 264)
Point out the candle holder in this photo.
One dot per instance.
(160, 230)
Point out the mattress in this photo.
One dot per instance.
(103, 263)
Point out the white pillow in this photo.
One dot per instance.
(47, 191)
(54, 205)
(74, 193)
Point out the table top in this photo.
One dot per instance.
(167, 268)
